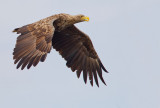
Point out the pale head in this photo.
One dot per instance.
(81, 18)
(66, 20)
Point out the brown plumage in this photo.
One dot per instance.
(36, 39)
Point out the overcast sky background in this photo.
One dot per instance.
(126, 36)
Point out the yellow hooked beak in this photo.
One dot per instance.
(85, 18)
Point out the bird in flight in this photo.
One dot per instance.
(36, 40)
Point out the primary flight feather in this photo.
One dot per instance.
(36, 40)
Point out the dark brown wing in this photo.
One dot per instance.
(34, 42)
(77, 49)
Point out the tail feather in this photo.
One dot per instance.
(15, 30)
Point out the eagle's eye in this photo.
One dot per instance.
(82, 15)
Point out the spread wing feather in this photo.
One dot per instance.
(77, 49)
(34, 42)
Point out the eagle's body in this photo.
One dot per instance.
(36, 39)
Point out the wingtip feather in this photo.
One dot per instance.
(102, 66)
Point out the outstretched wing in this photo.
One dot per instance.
(77, 49)
(34, 42)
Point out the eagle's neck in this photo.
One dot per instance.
(64, 21)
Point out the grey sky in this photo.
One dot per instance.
(125, 34)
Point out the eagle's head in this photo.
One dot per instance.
(81, 18)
